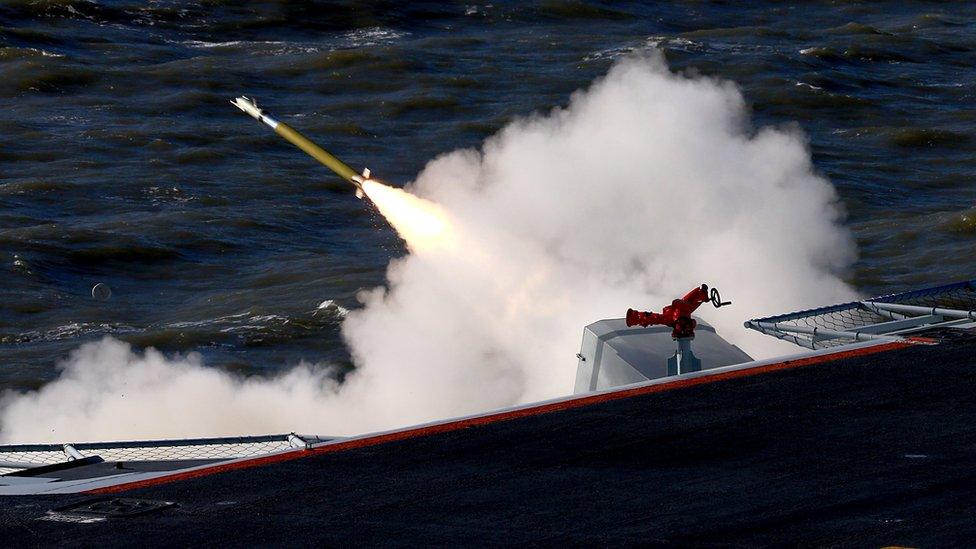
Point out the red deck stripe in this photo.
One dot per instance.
(501, 416)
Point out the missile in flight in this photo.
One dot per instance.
(330, 161)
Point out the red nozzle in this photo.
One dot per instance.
(677, 315)
(635, 318)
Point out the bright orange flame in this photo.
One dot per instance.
(422, 224)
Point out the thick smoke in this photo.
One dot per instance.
(646, 185)
(106, 392)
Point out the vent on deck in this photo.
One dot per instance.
(112, 508)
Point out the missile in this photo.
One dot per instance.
(294, 137)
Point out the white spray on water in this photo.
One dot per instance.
(646, 185)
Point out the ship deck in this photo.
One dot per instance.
(857, 449)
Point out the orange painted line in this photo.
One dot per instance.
(458, 425)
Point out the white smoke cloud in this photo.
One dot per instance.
(648, 184)
(108, 392)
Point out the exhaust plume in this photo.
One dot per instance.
(646, 184)
(421, 223)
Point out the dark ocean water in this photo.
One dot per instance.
(122, 162)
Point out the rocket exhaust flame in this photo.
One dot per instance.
(424, 225)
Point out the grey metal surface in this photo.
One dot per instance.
(613, 354)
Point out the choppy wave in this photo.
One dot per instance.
(962, 222)
(71, 331)
(246, 328)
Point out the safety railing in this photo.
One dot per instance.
(17, 457)
(885, 317)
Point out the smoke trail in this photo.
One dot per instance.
(107, 392)
(422, 224)
(647, 184)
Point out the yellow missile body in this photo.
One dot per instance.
(295, 137)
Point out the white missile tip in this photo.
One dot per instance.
(247, 105)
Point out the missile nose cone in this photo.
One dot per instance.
(250, 107)
(247, 105)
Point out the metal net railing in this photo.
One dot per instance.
(855, 316)
(22, 456)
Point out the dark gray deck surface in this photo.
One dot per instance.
(870, 451)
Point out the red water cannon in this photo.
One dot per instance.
(677, 315)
